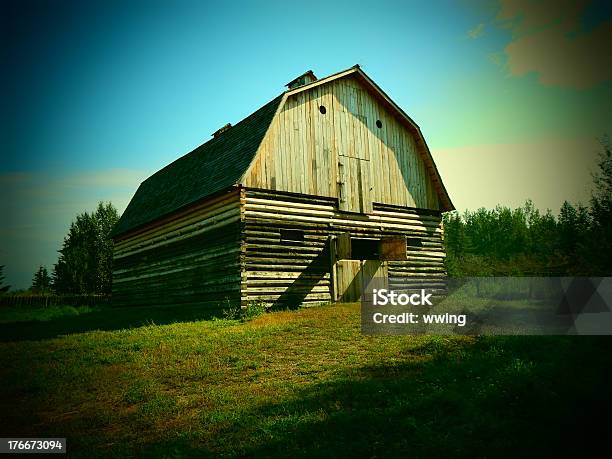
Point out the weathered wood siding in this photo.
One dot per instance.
(330, 154)
(285, 273)
(189, 258)
(291, 272)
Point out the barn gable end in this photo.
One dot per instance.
(342, 137)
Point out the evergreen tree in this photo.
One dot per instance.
(3, 288)
(599, 248)
(41, 282)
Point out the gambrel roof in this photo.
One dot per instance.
(223, 161)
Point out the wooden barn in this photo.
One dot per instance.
(301, 202)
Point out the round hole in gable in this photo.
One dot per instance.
(322, 109)
(378, 124)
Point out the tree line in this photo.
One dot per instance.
(524, 241)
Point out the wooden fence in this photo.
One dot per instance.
(54, 300)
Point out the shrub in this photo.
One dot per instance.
(253, 309)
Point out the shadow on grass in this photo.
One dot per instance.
(502, 397)
(493, 397)
(105, 319)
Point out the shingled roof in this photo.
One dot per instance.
(210, 168)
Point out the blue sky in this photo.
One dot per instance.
(511, 96)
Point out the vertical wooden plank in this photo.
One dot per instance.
(355, 185)
(407, 154)
(313, 146)
(396, 166)
(298, 129)
(401, 158)
(329, 166)
(342, 201)
(377, 176)
(294, 178)
(353, 122)
(413, 175)
(390, 157)
(366, 191)
(398, 188)
(365, 133)
(349, 280)
(281, 180)
(350, 184)
(339, 130)
(423, 199)
(301, 133)
(386, 164)
(343, 246)
(344, 126)
(330, 141)
(333, 261)
(272, 153)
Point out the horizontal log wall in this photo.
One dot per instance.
(192, 258)
(230, 251)
(285, 273)
(424, 266)
(288, 273)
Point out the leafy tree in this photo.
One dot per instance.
(85, 261)
(3, 288)
(501, 241)
(574, 225)
(41, 282)
(542, 232)
(457, 243)
(106, 218)
(455, 237)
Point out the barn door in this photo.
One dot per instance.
(354, 187)
(350, 277)
(354, 276)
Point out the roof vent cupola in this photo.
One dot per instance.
(302, 80)
(220, 131)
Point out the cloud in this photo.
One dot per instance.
(527, 16)
(548, 40)
(476, 31)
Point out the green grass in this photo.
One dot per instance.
(304, 383)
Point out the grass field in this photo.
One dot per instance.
(304, 383)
